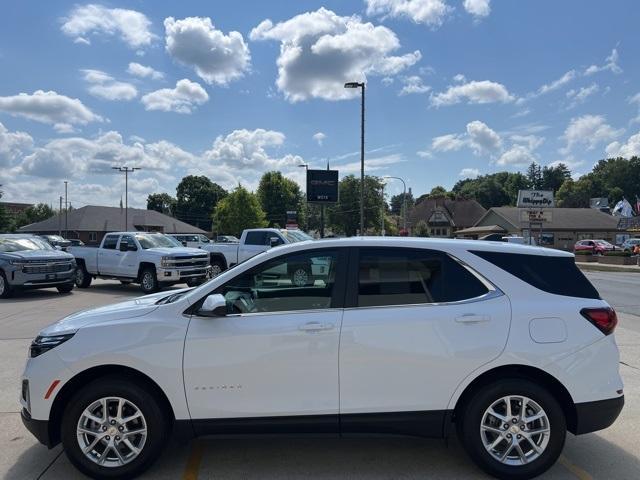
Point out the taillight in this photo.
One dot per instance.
(604, 319)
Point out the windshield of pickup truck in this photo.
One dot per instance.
(155, 240)
(22, 244)
(296, 236)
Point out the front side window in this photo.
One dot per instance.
(301, 281)
(256, 238)
(392, 276)
(110, 242)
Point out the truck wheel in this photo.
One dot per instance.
(66, 288)
(216, 267)
(149, 281)
(301, 276)
(5, 288)
(113, 428)
(83, 278)
(512, 429)
(194, 282)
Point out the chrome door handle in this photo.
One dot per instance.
(472, 318)
(315, 326)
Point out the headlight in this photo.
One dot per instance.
(44, 343)
(17, 263)
(165, 262)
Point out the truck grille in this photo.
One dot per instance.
(191, 262)
(47, 267)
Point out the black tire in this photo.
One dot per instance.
(148, 280)
(5, 288)
(217, 267)
(301, 276)
(194, 282)
(66, 288)
(470, 419)
(83, 278)
(156, 421)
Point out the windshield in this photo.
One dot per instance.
(296, 236)
(22, 244)
(203, 239)
(156, 240)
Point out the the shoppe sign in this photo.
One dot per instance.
(535, 199)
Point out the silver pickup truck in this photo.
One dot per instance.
(27, 261)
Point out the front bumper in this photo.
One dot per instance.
(38, 428)
(19, 279)
(178, 274)
(598, 415)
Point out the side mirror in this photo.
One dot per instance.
(214, 305)
(132, 247)
(124, 245)
(274, 242)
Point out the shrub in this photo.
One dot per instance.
(617, 253)
(584, 252)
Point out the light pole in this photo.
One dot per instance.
(404, 201)
(126, 170)
(66, 211)
(360, 85)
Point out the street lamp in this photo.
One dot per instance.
(126, 170)
(404, 201)
(360, 85)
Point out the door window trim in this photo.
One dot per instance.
(351, 297)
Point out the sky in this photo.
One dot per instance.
(232, 89)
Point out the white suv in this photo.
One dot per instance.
(508, 344)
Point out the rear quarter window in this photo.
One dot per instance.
(557, 275)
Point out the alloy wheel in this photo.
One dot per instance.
(300, 277)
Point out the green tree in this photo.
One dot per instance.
(196, 199)
(575, 194)
(534, 175)
(6, 222)
(344, 217)
(35, 213)
(553, 177)
(396, 203)
(421, 229)
(239, 210)
(277, 195)
(161, 202)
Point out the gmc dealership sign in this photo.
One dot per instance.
(322, 186)
(535, 199)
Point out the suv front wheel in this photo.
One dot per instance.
(113, 428)
(512, 429)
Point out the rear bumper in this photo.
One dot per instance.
(38, 428)
(593, 416)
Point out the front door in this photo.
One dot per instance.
(109, 256)
(275, 354)
(420, 322)
(128, 261)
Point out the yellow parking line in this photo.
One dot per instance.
(193, 464)
(577, 471)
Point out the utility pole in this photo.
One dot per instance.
(126, 170)
(382, 213)
(60, 218)
(66, 211)
(362, 87)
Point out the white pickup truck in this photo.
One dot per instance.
(150, 259)
(254, 241)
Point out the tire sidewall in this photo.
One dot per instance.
(155, 420)
(6, 293)
(156, 284)
(469, 428)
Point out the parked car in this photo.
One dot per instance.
(597, 247)
(227, 239)
(510, 345)
(630, 243)
(252, 242)
(57, 241)
(76, 242)
(191, 240)
(151, 259)
(27, 262)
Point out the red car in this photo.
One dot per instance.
(597, 247)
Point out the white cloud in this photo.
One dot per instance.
(459, 78)
(320, 51)
(429, 12)
(628, 149)
(469, 173)
(580, 96)
(144, 71)
(588, 130)
(516, 156)
(555, 85)
(372, 164)
(48, 107)
(478, 8)
(104, 86)
(448, 143)
(13, 145)
(131, 26)
(216, 57)
(183, 99)
(319, 137)
(473, 92)
(611, 64)
(483, 139)
(531, 141)
(413, 84)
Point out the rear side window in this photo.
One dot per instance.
(400, 276)
(110, 242)
(557, 275)
(256, 238)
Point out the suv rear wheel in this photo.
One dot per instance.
(513, 429)
(113, 428)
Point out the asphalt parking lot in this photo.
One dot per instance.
(612, 453)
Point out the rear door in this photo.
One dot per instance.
(109, 256)
(255, 242)
(418, 323)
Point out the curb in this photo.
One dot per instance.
(607, 268)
